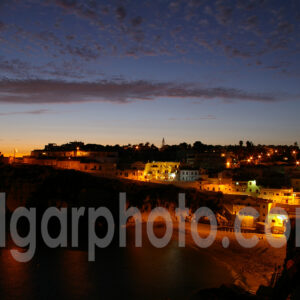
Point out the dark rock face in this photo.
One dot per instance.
(38, 186)
(231, 292)
(288, 284)
(42, 187)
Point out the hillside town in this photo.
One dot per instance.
(264, 177)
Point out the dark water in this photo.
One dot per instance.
(118, 273)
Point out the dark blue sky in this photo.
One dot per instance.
(136, 71)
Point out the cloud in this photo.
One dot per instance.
(117, 91)
(81, 51)
(137, 21)
(224, 12)
(285, 28)
(14, 66)
(70, 37)
(234, 23)
(71, 69)
(252, 20)
(203, 43)
(250, 5)
(2, 26)
(65, 69)
(231, 51)
(121, 13)
(252, 25)
(174, 6)
(31, 112)
(86, 10)
(67, 4)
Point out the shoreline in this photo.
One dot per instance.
(248, 267)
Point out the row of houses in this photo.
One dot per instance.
(99, 156)
(104, 164)
(256, 213)
(250, 188)
(151, 171)
(101, 168)
(160, 171)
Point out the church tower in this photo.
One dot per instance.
(163, 143)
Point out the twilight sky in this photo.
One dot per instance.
(123, 72)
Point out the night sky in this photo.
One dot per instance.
(118, 72)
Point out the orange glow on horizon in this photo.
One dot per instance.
(18, 154)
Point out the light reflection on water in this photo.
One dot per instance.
(135, 273)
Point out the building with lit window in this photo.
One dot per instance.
(249, 188)
(166, 171)
(132, 174)
(284, 196)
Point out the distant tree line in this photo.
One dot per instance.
(149, 152)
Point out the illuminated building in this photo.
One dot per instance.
(247, 217)
(166, 171)
(284, 196)
(219, 184)
(131, 174)
(249, 188)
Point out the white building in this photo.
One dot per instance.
(189, 175)
(284, 196)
